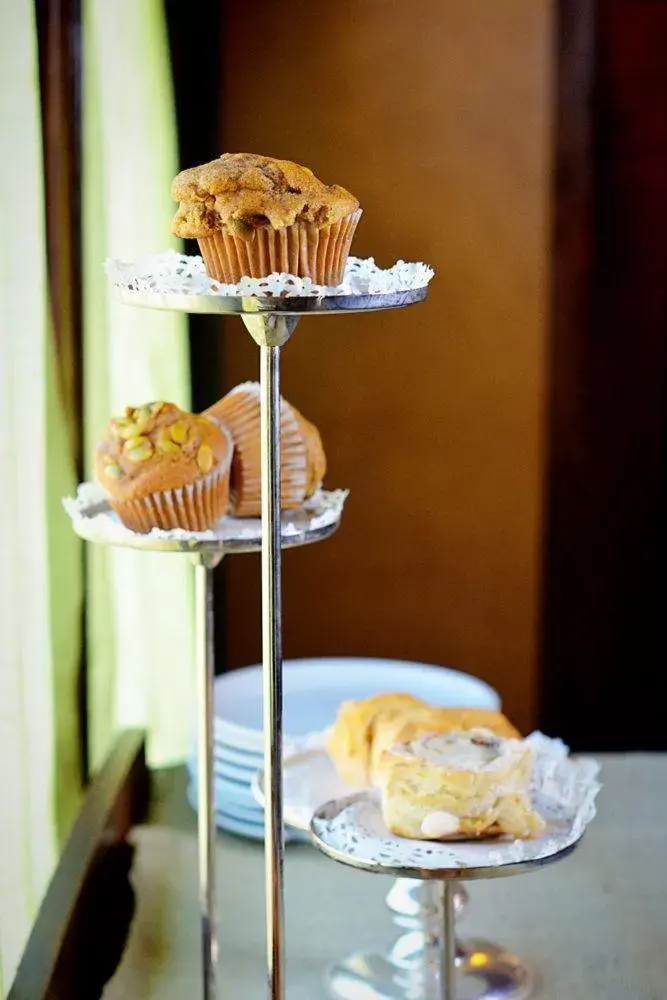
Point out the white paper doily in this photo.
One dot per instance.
(93, 519)
(564, 792)
(174, 273)
(309, 780)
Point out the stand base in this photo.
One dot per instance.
(484, 971)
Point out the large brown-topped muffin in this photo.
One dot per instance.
(253, 215)
(165, 468)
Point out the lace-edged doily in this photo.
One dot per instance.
(176, 273)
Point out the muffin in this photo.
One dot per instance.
(253, 215)
(165, 468)
(303, 462)
(365, 729)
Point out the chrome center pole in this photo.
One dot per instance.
(271, 331)
(274, 843)
(206, 828)
(448, 944)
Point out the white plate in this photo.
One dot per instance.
(222, 770)
(253, 829)
(229, 791)
(239, 758)
(314, 688)
(246, 814)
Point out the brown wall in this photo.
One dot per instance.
(436, 115)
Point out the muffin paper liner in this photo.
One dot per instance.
(305, 250)
(242, 420)
(194, 507)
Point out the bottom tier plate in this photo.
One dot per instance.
(351, 828)
(352, 831)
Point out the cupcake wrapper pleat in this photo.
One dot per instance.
(194, 507)
(302, 249)
(240, 413)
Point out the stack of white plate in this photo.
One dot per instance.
(313, 690)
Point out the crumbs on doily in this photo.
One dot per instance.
(173, 273)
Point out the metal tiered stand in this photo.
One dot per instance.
(270, 320)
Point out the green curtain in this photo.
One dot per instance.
(140, 663)
(40, 564)
(138, 607)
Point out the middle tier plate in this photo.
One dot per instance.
(93, 519)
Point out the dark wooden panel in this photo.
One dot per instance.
(603, 637)
(195, 58)
(438, 119)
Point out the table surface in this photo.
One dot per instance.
(594, 925)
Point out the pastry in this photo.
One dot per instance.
(458, 785)
(351, 738)
(418, 721)
(364, 729)
(253, 215)
(164, 468)
(303, 462)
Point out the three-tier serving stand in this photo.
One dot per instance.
(271, 321)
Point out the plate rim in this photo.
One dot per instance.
(465, 874)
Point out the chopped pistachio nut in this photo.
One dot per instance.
(205, 458)
(140, 452)
(179, 431)
(164, 442)
(113, 470)
(127, 430)
(136, 441)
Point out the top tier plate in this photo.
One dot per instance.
(238, 305)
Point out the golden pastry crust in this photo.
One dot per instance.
(351, 738)
(458, 785)
(303, 462)
(242, 192)
(158, 447)
(364, 729)
(418, 721)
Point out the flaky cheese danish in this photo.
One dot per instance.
(458, 785)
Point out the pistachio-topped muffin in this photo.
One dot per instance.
(253, 215)
(165, 468)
